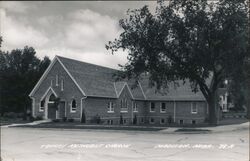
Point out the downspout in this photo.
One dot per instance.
(132, 111)
(174, 110)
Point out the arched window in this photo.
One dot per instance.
(52, 98)
(73, 106)
(42, 103)
(62, 85)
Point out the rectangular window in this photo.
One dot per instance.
(194, 109)
(41, 108)
(152, 120)
(181, 122)
(110, 122)
(162, 121)
(163, 107)
(124, 121)
(57, 80)
(135, 109)
(62, 85)
(111, 107)
(193, 122)
(152, 107)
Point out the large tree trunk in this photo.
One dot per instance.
(212, 110)
(248, 101)
(212, 113)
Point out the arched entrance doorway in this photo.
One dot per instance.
(52, 110)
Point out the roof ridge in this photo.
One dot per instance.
(86, 63)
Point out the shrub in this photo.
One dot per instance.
(170, 120)
(11, 115)
(38, 118)
(71, 120)
(56, 120)
(64, 119)
(32, 119)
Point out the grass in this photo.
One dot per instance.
(192, 130)
(8, 121)
(76, 125)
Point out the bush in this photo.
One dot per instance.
(55, 120)
(32, 119)
(96, 119)
(71, 120)
(11, 115)
(170, 120)
(64, 119)
(20, 115)
(38, 118)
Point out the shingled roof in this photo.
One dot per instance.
(98, 81)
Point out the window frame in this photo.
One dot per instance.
(150, 108)
(51, 82)
(124, 103)
(192, 108)
(111, 108)
(150, 120)
(57, 80)
(135, 108)
(42, 109)
(162, 122)
(62, 85)
(161, 111)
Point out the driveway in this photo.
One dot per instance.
(31, 144)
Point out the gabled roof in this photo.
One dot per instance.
(97, 81)
(181, 92)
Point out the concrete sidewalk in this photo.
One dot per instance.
(30, 123)
(216, 129)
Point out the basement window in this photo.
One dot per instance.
(162, 121)
(152, 120)
(110, 122)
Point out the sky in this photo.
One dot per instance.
(77, 30)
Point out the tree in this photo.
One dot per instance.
(191, 40)
(20, 70)
(247, 85)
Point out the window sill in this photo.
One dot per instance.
(124, 111)
(163, 111)
(111, 111)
